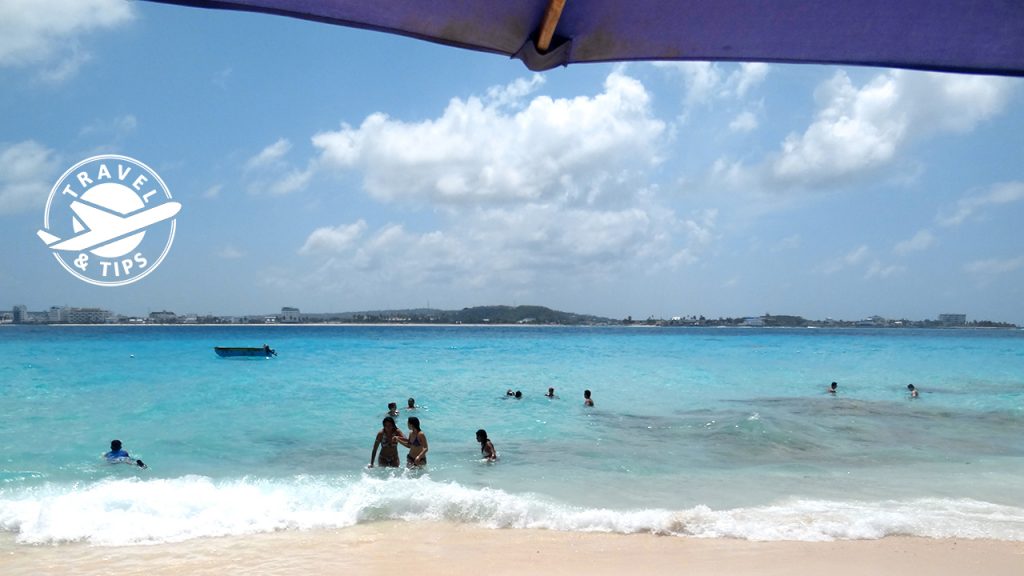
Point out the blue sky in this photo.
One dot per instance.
(334, 169)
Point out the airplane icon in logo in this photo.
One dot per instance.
(106, 226)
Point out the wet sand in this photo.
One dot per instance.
(436, 548)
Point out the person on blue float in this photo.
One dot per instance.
(119, 455)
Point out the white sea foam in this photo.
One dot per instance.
(118, 512)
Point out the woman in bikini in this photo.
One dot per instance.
(416, 443)
(387, 440)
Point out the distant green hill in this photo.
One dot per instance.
(477, 315)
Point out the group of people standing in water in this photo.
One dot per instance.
(391, 436)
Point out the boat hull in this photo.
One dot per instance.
(228, 352)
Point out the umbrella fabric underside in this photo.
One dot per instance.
(974, 36)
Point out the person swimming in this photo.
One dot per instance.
(832, 388)
(119, 455)
(392, 409)
(387, 440)
(587, 401)
(912, 390)
(519, 395)
(411, 404)
(551, 393)
(486, 446)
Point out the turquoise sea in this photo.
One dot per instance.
(698, 432)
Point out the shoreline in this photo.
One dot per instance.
(456, 549)
(496, 325)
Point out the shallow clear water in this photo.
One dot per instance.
(711, 432)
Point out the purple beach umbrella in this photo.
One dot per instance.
(970, 36)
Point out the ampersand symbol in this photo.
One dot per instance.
(82, 262)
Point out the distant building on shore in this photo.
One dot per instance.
(953, 319)
(87, 315)
(163, 317)
(57, 314)
(290, 315)
(61, 315)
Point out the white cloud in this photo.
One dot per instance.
(334, 240)
(270, 156)
(702, 79)
(230, 253)
(501, 244)
(292, 181)
(749, 75)
(993, 266)
(856, 258)
(745, 122)
(508, 248)
(923, 240)
(213, 192)
(878, 270)
(511, 94)
(26, 173)
(700, 233)
(707, 81)
(856, 255)
(858, 130)
(851, 258)
(269, 173)
(1002, 193)
(116, 129)
(45, 33)
(578, 149)
(67, 67)
(529, 190)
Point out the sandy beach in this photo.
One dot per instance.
(459, 549)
